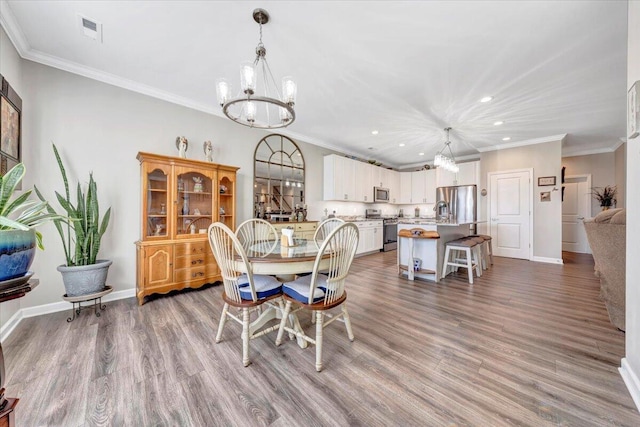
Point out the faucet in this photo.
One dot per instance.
(436, 209)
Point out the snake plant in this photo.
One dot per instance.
(21, 213)
(82, 233)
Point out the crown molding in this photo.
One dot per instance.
(13, 30)
(589, 151)
(542, 140)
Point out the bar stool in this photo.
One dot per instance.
(470, 262)
(487, 249)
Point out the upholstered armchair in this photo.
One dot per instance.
(607, 238)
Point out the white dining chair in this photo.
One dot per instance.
(246, 292)
(318, 292)
(257, 234)
(325, 228)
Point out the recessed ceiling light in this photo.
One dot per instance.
(420, 154)
(498, 123)
(506, 138)
(401, 145)
(486, 99)
(374, 132)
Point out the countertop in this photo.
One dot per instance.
(432, 221)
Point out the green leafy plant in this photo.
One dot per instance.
(606, 196)
(81, 235)
(21, 213)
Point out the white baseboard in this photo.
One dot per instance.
(548, 260)
(631, 381)
(53, 307)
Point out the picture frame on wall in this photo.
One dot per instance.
(544, 181)
(10, 127)
(633, 109)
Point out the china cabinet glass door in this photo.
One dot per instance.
(194, 203)
(157, 203)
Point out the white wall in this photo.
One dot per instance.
(11, 69)
(101, 128)
(602, 168)
(545, 159)
(631, 362)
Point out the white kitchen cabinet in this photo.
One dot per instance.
(393, 178)
(444, 178)
(405, 188)
(378, 177)
(423, 186)
(430, 186)
(363, 181)
(370, 239)
(378, 242)
(339, 178)
(469, 174)
(418, 188)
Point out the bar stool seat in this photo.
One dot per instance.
(487, 249)
(471, 261)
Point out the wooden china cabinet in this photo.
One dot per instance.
(180, 199)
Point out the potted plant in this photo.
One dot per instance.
(18, 218)
(83, 273)
(606, 196)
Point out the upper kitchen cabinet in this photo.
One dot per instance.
(405, 188)
(469, 174)
(363, 181)
(339, 178)
(423, 186)
(393, 184)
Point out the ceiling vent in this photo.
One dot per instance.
(90, 28)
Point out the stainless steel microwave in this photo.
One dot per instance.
(380, 195)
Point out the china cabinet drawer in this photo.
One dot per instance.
(191, 248)
(188, 274)
(189, 261)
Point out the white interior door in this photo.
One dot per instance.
(575, 208)
(510, 213)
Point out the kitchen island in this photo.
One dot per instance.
(429, 251)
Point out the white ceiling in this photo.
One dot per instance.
(406, 69)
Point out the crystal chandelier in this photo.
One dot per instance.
(265, 108)
(442, 160)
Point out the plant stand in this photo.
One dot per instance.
(96, 298)
(7, 405)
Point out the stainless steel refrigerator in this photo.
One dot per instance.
(462, 201)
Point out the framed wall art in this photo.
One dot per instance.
(544, 181)
(633, 111)
(10, 127)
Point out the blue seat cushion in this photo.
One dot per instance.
(299, 288)
(266, 286)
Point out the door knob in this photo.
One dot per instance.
(580, 218)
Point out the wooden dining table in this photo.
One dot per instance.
(284, 262)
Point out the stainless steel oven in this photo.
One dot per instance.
(390, 235)
(389, 229)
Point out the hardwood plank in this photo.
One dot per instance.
(527, 344)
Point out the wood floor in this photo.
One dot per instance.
(528, 344)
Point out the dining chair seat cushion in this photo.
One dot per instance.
(299, 288)
(266, 286)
